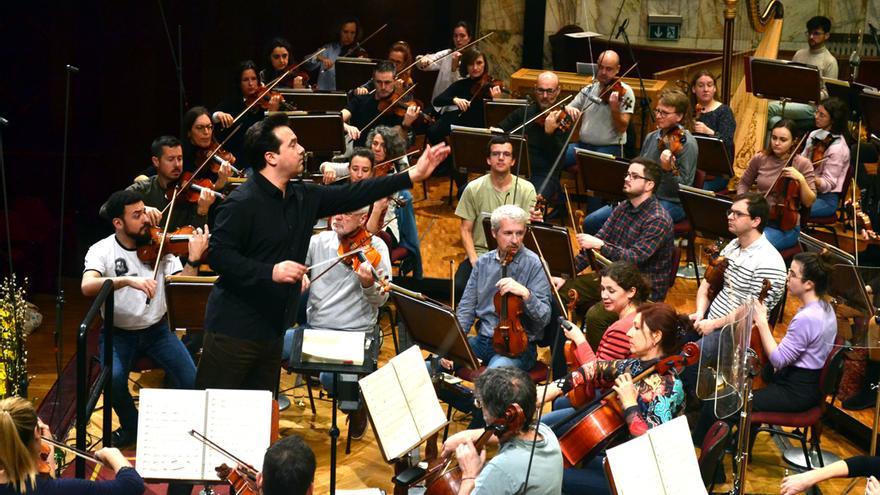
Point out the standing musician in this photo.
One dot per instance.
(657, 332)
(247, 87)
(349, 33)
(505, 474)
(712, 118)
(484, 195)
(21, 434)
(141, 326)
(525, 278)
(343, 298)
(797, 361)
(199, 125)
(167, 156)
(278, 56)
(447, 67)
(260, 264)
(544, 135)
(363, 109)
(769, 169)
(639, 230)
(827, 145)
(603, 126)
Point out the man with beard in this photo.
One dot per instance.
(362, 109)
(139, 304)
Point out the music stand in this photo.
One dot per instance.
(869, 104)
(435, 328)
(186, 297)
(555, 244)
(713, 157)
(848, 92)
(498, 110)
(353, 72)
(319, 133)
(602, 174)
(706, 211)
(306, 100)
(470, 147)
(784, 81)
(296, 364)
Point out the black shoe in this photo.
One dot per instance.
(123, 438)
(862, 400)
(357, 422)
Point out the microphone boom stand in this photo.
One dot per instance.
(644, 99)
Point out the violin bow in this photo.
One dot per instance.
(162, 239)
(73, 450)
(383, 112)
(251, 471)
(458, 50)
(545, 112)
(360, 44)
(274, 83)
(787, 163)
(202, 166)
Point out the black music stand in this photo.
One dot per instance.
(848, 92)
(296, 364)
(713, 157)
(353, 72)
(320, 133)
(602, 174)
(470, 147)
(555, 245)
(707, 214)
(306, 100)
(498, 110)
(869, 105)
(435, 328)
(784, 81)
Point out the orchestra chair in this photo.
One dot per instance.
(810, 225)
(398, 255)
(676, 260)
(683, 231)
(712, 452)
(810, 420)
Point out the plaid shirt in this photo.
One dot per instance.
(641, 235)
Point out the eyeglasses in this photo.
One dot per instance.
(202, 128)
(545, 91)
(737, 214)
(817, 33)
(496, 154)
(792, 274)
(662, 113)
(635, 176)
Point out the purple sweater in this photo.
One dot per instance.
(808, 340)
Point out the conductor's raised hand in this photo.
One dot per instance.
(430, 159)
(288, 272)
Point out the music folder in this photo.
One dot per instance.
(783, 80)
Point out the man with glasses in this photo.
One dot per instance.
(481, 196)
(815, 54)
(638, 230)
(544, 136)
(362, 109)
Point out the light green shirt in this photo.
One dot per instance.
(480, 196)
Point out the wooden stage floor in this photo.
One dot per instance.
(364, 466)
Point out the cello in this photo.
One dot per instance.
(509, 338)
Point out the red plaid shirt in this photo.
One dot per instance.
(641, 235)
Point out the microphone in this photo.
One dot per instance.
(622, 28)
(72, 69)
(3, 121)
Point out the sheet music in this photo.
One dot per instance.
(165, 450)
(333, 346)
(634, 468)
(240, 421)
(389, 411)
(676, 458)
(415, 382)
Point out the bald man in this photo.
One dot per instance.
(545, 139)
(603, 124)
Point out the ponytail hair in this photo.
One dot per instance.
(674, 326)
(817, 268)
(18, 420)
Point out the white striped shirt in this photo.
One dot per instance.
(746, 270)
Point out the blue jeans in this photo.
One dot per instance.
(674, 209)
(571, 155)
(482, 347)
(782, 239)
(718, 183)
(825, 205)
(159, 344)
(588, 479)
(594, 221)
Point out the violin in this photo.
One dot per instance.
(672, 140)
(600, 424)
(263, 99)
(359, 239)
(786, 210)
(220, 157)
(193, 190)
(755, 341)
(698, 110)
(45, 463)
(399, 107)
(243, 480)
(563, 124)
(714, 274)
(509, 338)
(441, 479)
(176, 243)
(617, 87)
(820, 147)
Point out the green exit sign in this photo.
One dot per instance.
(664, 27)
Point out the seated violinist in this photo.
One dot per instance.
(657, 332)
(345, 46)
(828, 146)
(364, 109)
(445, 62)
(776, 171)
(22, 470)
(167, 156)
(497, 390)
(400, 55)
(288, 469)
(278, 54)
(200, 143)
(795, 363)
(139, 307)
(343, 296)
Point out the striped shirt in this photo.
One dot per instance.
(746, 270)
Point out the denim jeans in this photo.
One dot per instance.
(674, 209)
(717, 183)
(782, 239)
(161, 345)
(482, 347)
(825, 205)
(594, 221)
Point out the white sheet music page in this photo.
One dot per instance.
(419, 391)
(392, 420)
(165, 450)
(634, 469)
(676, 458)
(333, 346)
(239, 421)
